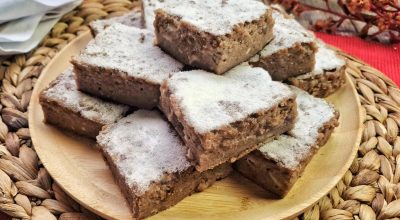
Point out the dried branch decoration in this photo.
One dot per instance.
(371, 19)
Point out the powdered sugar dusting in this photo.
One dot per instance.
(130, 51)
(286, 150)
(312, 114)
(149, 6)
(210, 101)
(217, 17)
(64, 91)
(325, 60)
(291, 149)
(143, 147)
(132, 18)
(287, 32)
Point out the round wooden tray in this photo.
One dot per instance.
(80, 170)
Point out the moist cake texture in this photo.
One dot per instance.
(327, 76)
(66, 107)
(132, 18)
(148, 161)
(277, 165)
(290, 53)
(209, 34)
(122, 64)
(222, 118)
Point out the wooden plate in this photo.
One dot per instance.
(81, 171)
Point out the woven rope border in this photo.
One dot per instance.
(370, 189)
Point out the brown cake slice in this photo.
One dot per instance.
(278, 164)
(223, 117)
(327, 76)
(290, 53)
(132, 18)
(66, 107)
(147, 159)
(213, 35)
(122, 64)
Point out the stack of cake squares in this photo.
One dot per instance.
(180, 93)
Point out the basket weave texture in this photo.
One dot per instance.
(370, 189)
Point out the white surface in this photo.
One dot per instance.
(217, 17)
(132, 18)
(144, 147)
(325, 60)
(287, 32)
(148, 10)
(130, 51)
(209, 101)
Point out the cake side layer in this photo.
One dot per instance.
(192, 44)
(288, 62)
(123, 65)
(327, 76)
(320, 85)
(110, 84)
(290, 53)
(129, 51)
(64, 91)
(66, 107)
(216, 17)
(59, 116)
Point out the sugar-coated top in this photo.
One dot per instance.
(286, 150)
(291, 149)
(132, 18)
(217, 17)
(64, 91)
(287, 32)
(149, 6)
(312, 114)
(130, 51)
(210, 101)
(325, 60)
(144, 147)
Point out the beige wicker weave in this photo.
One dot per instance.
(369, 190)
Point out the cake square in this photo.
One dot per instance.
(277, 165)
(327, 76)
(147, 159)
(123, 65)
(290, 53)
(132, 18)
(214, 35)
(66, 107)
(223, 117)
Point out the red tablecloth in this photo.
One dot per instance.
(385, 58)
